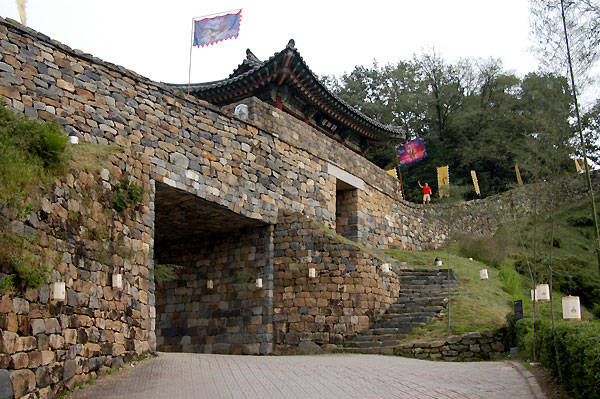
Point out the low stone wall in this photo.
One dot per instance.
(466, 347)
(48, 344)
(316, 314)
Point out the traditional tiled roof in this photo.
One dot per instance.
(286, 71)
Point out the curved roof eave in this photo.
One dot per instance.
(250, 70)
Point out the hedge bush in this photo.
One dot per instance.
(573, 355)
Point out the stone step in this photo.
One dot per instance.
(387, 350)
(414, 307)
(371, 344)
(388, 331)
(410, 325)
(379, 337)
(407, 315)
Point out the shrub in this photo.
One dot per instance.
(29, 151)
(511, 281)
(165, 272)
(573, 355)
(580, 221)
(127, 194)
(487, 249)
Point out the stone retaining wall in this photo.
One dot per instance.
(316, 314)
(73, 230)
(466, 347)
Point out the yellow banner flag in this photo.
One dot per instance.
(392, 172)
(519, 180)
(475, 182)
(443, 181)
(578, 167)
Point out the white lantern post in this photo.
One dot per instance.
(483, 274)
(259, 283)
(59, 291)
(385, 268)
(312, 272)
(117, 280)
(571, 308)
(542, 293)
(209, 284)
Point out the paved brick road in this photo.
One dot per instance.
(179, 375)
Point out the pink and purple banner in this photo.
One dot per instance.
(410, 152)
(213, 30)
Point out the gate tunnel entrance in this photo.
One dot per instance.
(213, 305)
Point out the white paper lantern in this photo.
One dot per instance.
(571, 308)
(385, 268)
(259, 283)
(542, 293)
(532, 295)
(312, 272)
(59, 291)
(438, 262)
(483, 274)
(117, 280)
(209, 284)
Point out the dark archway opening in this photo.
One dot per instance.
(213, 306)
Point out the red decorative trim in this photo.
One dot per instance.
(278, 103)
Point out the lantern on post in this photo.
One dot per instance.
(209, 284)
(259, 283)
(571, 308)
(385, 268)
(438, 261)
(117, 280)
(542, 293)
(59, 291)
(483, 274)
(73, 139)
(312, 272)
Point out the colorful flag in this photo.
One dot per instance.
(410, 152)
(475, 182)
(443, 181)
(519, 180)
(213, 30)
(392, 172)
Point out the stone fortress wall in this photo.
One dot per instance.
(221, 193)
(48, 343)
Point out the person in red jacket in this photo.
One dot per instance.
(426, 192)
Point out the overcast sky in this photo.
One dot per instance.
(152, 37)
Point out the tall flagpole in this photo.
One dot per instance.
(190, 64)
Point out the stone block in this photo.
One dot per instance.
(454, 339)
(70, 369)
(19, 361)
(42, 377)
(20, 306)
(47, 357)
(9, 342)
(35, 359)
(252, 349)
(25, 344)
(6, 390)
(23, 382)
(56, 341)
(307, 348)
(37, 326)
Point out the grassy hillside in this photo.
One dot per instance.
(479, 305)
(574, 262)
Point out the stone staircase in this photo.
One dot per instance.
(423, 296)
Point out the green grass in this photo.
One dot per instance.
(479, 305)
